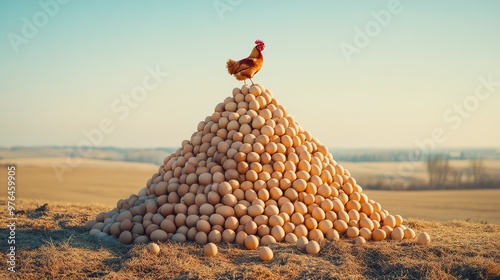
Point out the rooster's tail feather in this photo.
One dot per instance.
(230, 66)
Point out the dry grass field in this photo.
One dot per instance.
(472, 205)
(92, 181)
(53, 244)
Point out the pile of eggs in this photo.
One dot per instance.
(250, 175)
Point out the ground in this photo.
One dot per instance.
(51, 243)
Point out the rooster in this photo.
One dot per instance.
(247, 67)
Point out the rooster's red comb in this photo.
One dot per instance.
(259, 42)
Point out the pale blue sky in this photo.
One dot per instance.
(399, 88)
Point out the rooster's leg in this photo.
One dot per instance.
(252, 81)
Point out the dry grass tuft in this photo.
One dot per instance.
(52, 244)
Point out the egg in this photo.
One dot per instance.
(318, 213)
(224, 188)
(300, 230)
(267, 239)
(179, 237)
(337, 205)
(265, 254)
(90, 224)
(216, 219)
(210, 250)
(390, 221)
(278, 233)
(215, 236)
(312, 247)
(311, 223)
(251, 227)
(258, 122)
(331, 216)
(352, 232)
(231, 223)
(99, 226)
(263, 230)
(229, 200)
(291, 238)
(228, 235)
(332, 235)
(325, 226)
(397, 233)
(151, 228)
(255, 210)
(276, 220)
(94, 232)
(168, 226)
(325, 191)
(153, 248)
(399, 220)
(142, 239)
(353, 205)
(125, 237)
(302, 242)
(360, 240)
(251, 242)
(340, 226)
(327, 205)
(271, 210)
(409, 233)
(203, 226)
(365, 233)
(315, 234)
(206, 209)
(378, 235)
(366, 223)
(191, 234)
(240, 237)
(423, 238)
(367, 208)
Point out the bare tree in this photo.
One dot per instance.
(455, 177)
(477, 169)
(438, 168)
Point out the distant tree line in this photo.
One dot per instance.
(401, 155)
(441, 175)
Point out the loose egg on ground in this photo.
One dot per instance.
(423, 238)
(153, 248)
(265, 254)
(210, 250)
